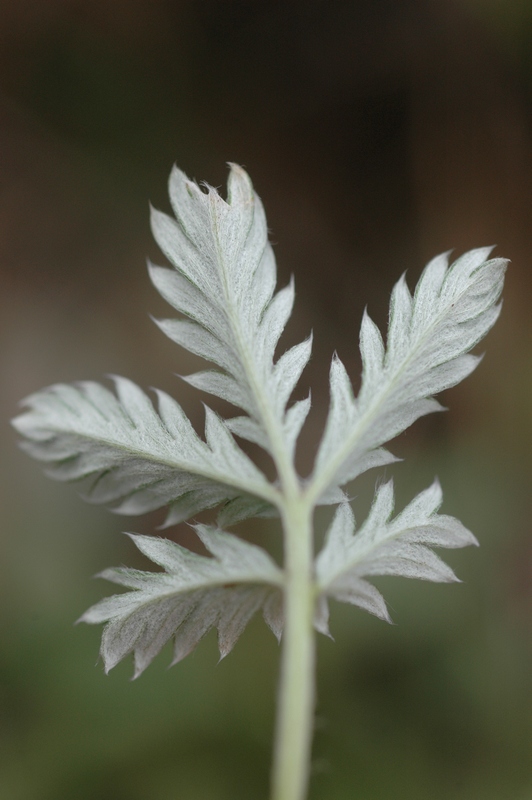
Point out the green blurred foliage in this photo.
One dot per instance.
(378, 134)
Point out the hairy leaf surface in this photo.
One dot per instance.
(224, 281)
(138, 457)
(429, 336)
(194, 594)
(134, 457)
(385, 546)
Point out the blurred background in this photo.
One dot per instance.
(378, 133)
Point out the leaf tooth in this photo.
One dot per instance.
(158, 631)
(410, 561)
(321, 616)
(461, 270)
(248, 236)
(423, 506)
(293, 422)
(179, 249)
(248, 429)
(167, 554)
(274, 322)
(136, 404)
(273, 613)
(154, 495)
(342, 412)
(177, 423)
(382, 506)
(191, 207)
(110, 607)
(445, 531)
(101, 399)
(235, 615)
(288, 369)
(240, 192)
(371, 350)
(196, 339)
(262, 287)
(359, 592)
(226, 451)
(360, 462)
(120, 636)
(331, 559)
(400, 322)
(197, 624)
(186, 298)
(220, 440)
(240, 556)
(223, 386)
(428, 289)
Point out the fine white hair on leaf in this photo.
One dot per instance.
(138, 455)
(386, 546)
(223, 281)
(194, 594)
(429, 336)
(132, 457)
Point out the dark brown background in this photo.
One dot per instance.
(378, 133)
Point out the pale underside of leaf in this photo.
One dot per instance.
(138, 457)
(194, 594)
(385, 546)
(223, 280)
(134, 458)
(429, 335)
(223, 283)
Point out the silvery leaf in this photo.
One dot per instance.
(132, 457)
(223, 280)
(386, 546)
(194, 594)
(429, 336)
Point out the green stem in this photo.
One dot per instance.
(295, 713)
